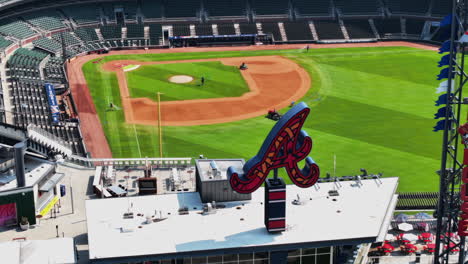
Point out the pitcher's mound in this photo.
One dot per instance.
(181, 79)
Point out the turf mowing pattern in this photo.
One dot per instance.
(220, 81)
(372, 107)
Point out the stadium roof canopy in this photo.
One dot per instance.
(360, 214)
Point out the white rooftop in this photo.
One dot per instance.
(35, 169)
(206, 172)
(360, 212)
(59, 250)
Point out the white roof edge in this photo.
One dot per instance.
(387, 219)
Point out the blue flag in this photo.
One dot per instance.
(444, 73)
(441, 113)
(446, 21)
(444, 61)
(440, 125)
(442, 100)
(445, 47)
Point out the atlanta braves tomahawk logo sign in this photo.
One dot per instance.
(285, 146)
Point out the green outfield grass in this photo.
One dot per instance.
(220, 81)
(371, 107)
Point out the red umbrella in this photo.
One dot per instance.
(430, 248)
(410, 248)
(426, 237)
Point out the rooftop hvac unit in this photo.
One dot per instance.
(208, 209)
(214, 169)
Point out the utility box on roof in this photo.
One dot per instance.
(212, 181)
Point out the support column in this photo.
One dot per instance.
(275, 205)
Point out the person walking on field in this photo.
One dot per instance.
(307, 49)
(202, 80)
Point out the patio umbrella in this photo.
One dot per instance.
(422, 216)
(401, 218)
(405, 227)
(410, 237)
(389, 237)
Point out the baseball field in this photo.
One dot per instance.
(372, 107)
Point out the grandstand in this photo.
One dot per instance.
(31, 35)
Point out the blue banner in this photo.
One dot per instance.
(54, 108)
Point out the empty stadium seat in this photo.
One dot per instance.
(151, 8)
(328, 30)
(82, 13)
(312, 8)
(388, 27)
(273, 29)
(298, 30)
(111, 31)
(135, 31)
(182, 8)
(181, 30)
(409, 7)
(217, 8)
(204, 29)
(270, 7)
(226, 29)
(359, 29)
(414, 26)
(248, 28)
(358, 7)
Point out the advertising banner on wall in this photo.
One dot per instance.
(54, 108)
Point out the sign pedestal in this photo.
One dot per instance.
(275, 205)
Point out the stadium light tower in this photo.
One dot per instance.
(450, 197)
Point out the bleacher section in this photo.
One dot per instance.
(129, 9)
(204, 29)
(358, 7)
(111, 31)
(298, 30)
(45, 19)
(328, 30)
(4, 43)
(68, 38)
(248, 28)
(24, 64)
(181, 30)
(441, 8)
(135, 31)
(82, 13)
(151, 8)
(312, 8)
(359, 29)
(409, 7)
(272, 28)
(30, 103)
(182, 8)
(216, 8)
(414, 26)
(155, 32)
(388, 27)
(226, 29)
(86, 34)
(53, 70)
(270, 7)
(16, 28)
(48, 44)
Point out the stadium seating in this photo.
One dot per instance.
(312, 8)
(358, 29)
(151, 8)
(216, 8)
(408, 7)
(16, 28)
(135, 31)
(46, 19)
(155, 31)
(182, 8)
(388, 26)
(86, 34)
(358, 7)
(204, 29)
(111, 31)
(414, 26)
(248, 28)
(24, 63)
(68, 38)
(82, 13)
(270, 7)
(328, 30)
(48, 44)
(226, 29)
(272, 28)
(53, 70)
(4, 43)
(181, 30)
(441, 8)
(298, 30)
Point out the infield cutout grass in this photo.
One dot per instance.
(220, 81)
